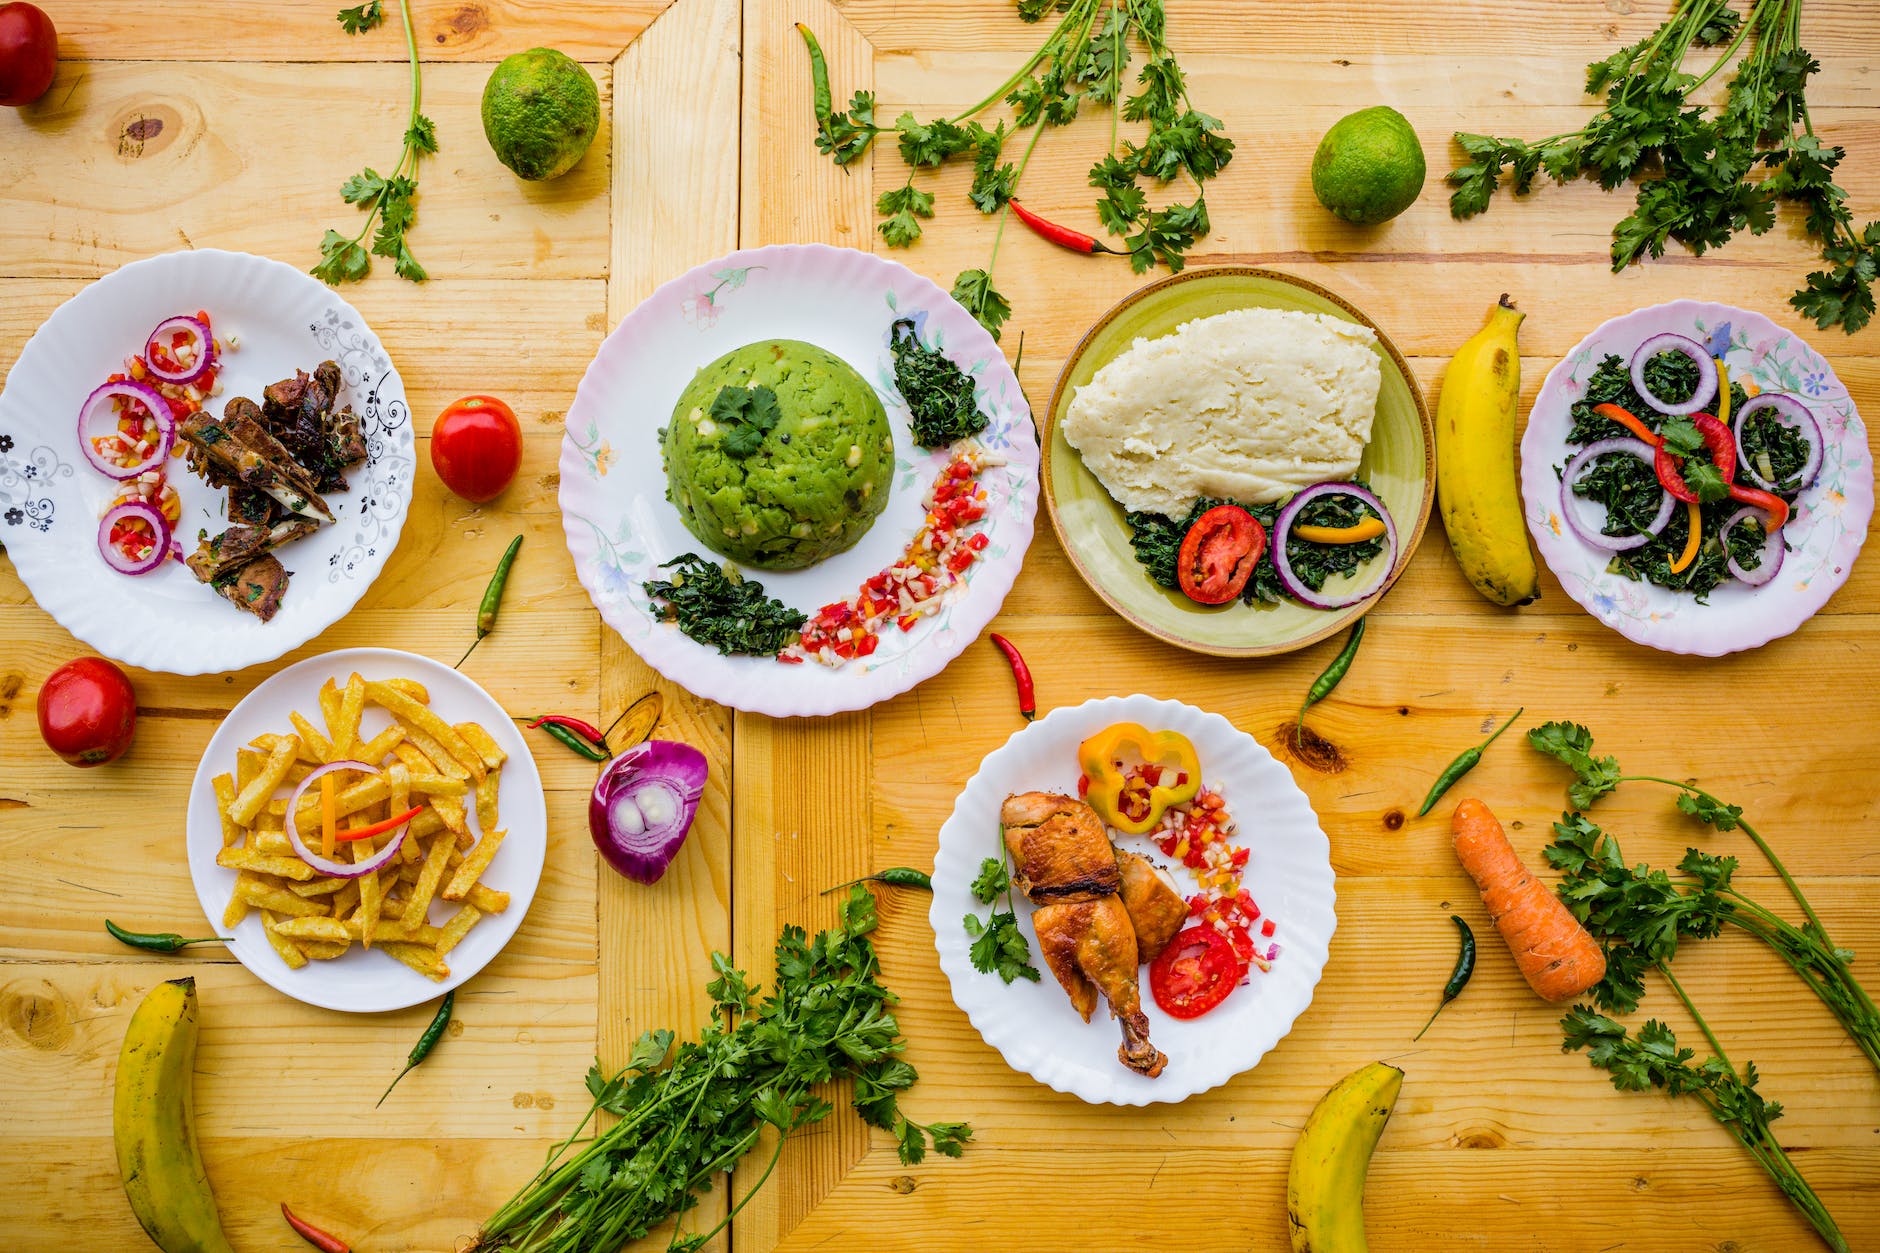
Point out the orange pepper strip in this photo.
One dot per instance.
(1625, 418)
(380, 828)
(1692, 540)
(329, 814)
(1357, 533)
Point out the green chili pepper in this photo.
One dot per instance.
(825, 100)
(893, 876)
(157, 941)
(1459, 977)
(574, 740)
(1462, 765)
(492, 598)
(1334, 673)
(426, 1042)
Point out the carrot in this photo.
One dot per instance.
(1556, 955)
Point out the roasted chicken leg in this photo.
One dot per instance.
(1065, 863)
(1156, 909)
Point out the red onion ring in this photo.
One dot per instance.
(1686, 346)
(160, 338)
(1772, 550)
(99, 403)
(160, 532)
(338, 869)
(1569, 499)
(1797, 417)
(1282, 531)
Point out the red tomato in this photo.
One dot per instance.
(1194, 973)
(87, 712)
(1219, 553)
(29, 53)
(476, 447)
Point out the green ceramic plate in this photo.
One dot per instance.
(1400, 465)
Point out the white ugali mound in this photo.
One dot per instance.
(1250, 405)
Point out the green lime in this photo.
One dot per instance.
(1369, 167)
(540, 112)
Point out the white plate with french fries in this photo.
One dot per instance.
(452, 786)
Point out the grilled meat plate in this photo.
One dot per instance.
(237, 449)
(300, 412)
(220, 554)
(256, 587)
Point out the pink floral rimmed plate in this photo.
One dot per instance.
(620, 526)
(1824, 534)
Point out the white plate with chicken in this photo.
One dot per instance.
(205, 459)
(1169, 947)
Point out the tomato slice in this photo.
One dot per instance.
(1194, 973)
(1219, 553)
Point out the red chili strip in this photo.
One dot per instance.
(1062, 236)
(1777, 508)
(325, 1241)
(1722, 447)
(379, 828)
(1021, 673)
(586, 730)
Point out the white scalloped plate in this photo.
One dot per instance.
(51, 498)
(620, 525)
(1825, 534)
(360, 982)
(1032, 1025)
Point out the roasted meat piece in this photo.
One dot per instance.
(300, 412)
(221, 554)
(1065, 863)
(256, 587)
(1156, 909)
(237, 450)
(250, 506)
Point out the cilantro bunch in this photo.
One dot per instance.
(390, 200)
(1086, 59)
(999, 947)
(755, 1067)
(1697, 162)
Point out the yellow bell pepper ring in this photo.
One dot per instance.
(1133, 775)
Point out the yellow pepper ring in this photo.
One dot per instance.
(1695, 538)
(1109, 758)
(1369, 528)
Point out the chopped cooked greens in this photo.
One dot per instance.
(941, 406)
(1158, 540)
(717, 605)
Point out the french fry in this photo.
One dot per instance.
(428, 879)
(346, 899)
(419, 958)
(321, 951)
(247, 765)
(487, 792)
(251, 798)
(437, 784)
(355, 797)
(331, 930)
(474, 864)
(425, 753)
(487, 748)
(237, 907)
(454, 930)
(412, 688)
(371, 900)
(311, 741)
(411, 713)
(450, 810)
(290, 952)
(489, 900)
(322, 886)
(375, 749)
(261, 863)
(275, 900)
(224, 787)
(329, 702)
(344, 732)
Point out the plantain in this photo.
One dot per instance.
(1325, 1186)
(153, 1123)
(1475, 475)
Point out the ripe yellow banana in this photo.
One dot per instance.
(1475, 479)
(152, 1120)
(1325, 1187)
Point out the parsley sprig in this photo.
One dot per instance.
(999, 947)
(1697, 161)
(759, 1063)
(747, 414)
(1086, 59)
(389, 200)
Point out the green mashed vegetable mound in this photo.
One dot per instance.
(818, 475)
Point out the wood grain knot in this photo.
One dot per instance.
(469, 21)
(40, 1017)
(903, 1184)
(10, 687)
(1485, 1138)
(1393, 818)
(1311, 749)
(144, 130)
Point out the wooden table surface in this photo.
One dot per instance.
(173, 125)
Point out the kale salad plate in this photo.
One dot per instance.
(1238, 461)
(1697, 477)
(799, 479)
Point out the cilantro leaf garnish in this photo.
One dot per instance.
(747, 414)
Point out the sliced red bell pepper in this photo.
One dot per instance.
(1626, 418)
(1717, 439)
(379, 828)
(1776, 507)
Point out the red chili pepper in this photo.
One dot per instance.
(1062, 236)
(586, 730)
(1717, 439)
(1627, 419)
(326, 1242)
(379, 828)
(1774, 505)
(1027, 695)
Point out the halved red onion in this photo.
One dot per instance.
(1772, 549)
(1569, 499)
(643, 805)
(1282, 531)
(160, 531)
(161, 337)
(99, 404)
(1791, 412)
(326, 866)
(1686, 346)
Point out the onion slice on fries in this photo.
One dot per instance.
(326, 866)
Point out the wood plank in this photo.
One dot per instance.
(218, 154)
